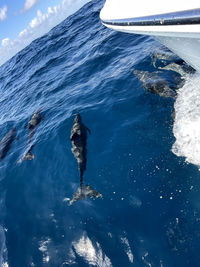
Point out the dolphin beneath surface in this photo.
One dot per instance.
(78, 138)
(32, 125)
(154, 84)
(6, 142)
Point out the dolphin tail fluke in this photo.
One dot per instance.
(85, 192)
(28, 156)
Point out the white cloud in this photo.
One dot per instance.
(23, 33)
(39, 26)
(5, 42)
(29, 4)
(3, 13)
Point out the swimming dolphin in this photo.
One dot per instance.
(176, 68)
(78, 138)
(163, 57)
(6, 142)
(32, 125)
(154, 84)
(182, 70)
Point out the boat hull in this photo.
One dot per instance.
(184, 43)
(185, 47)
(179, 31)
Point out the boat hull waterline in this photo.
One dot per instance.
(179, 31)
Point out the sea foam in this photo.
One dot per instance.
(186, 126)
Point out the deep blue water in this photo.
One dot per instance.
(149, 214)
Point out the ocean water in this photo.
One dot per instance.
(143, 151)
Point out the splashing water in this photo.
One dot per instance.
(186, 127)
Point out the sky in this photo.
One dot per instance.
(23, 21)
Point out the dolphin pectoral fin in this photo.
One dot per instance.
(85, 192)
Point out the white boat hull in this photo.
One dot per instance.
(186, 48)
(178, 30)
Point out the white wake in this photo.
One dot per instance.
(186, 127)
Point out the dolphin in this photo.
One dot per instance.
(6, 142)
(32, 125)
(163, 57)
(154, 84)
(78, 138)
(176, 68)
(182, 70)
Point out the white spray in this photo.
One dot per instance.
(186, 127)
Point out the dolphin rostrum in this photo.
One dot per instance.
(6, 142)
(32, 125)
(78, 138)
